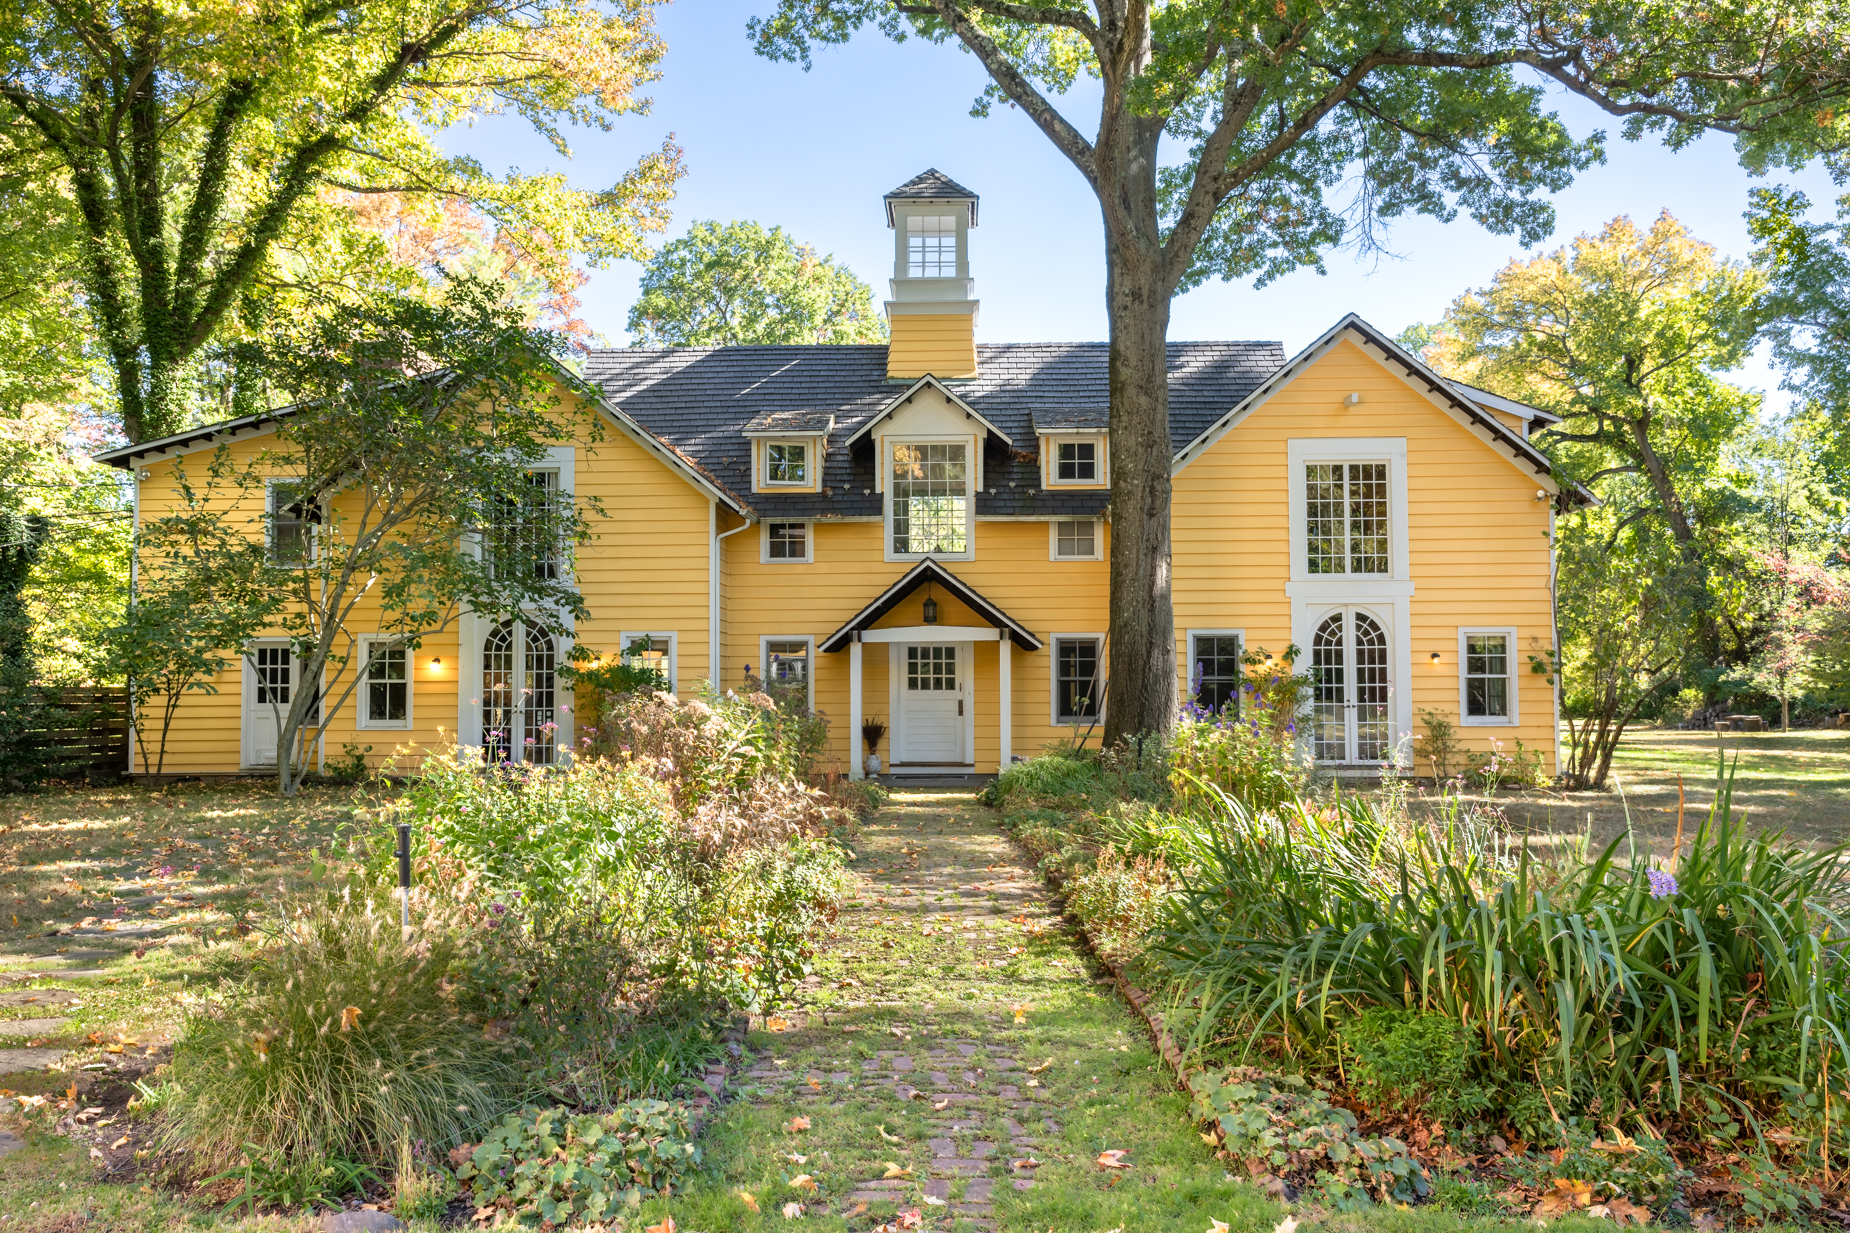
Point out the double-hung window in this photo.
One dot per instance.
(654, 651)
(292, 518)
(786, 462)
(930, 499)
(523, 535)
(1214, 672)
(385, 697)
(786, 667)
(1346, 518)
(931, 247)
(1487, 681)
(1079, 680)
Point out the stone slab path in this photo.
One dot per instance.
(956, 1054)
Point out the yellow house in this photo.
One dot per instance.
(918, 534)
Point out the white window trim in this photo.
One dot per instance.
(363, 717)
(1188, 645)
(1098, 540)
(1514, 718)
(659, 636)
(764, 660)
(809, 462)
(1098, 460)
(973, 483)
(269, 525)
(809, 543)
(1302, 451)
(1053, 679)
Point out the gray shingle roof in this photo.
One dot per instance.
(791, 421)
(930, 185)
(1067, 419)
(699, 399)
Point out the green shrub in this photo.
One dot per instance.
(1410, 1064)
(340, 1037)
(301, 1182)
(1261, 767)
(552, 1168)
(1621, 986)
(1283, 1125)
(1052, 776)
(1120, 899)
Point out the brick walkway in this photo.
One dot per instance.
(911, 1024)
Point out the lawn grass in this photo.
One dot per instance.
(1798, 782)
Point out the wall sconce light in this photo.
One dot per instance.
(931, 607)
(1268, 657)
(1435, 657)
(436, 663)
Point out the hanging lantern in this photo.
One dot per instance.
(931, 607)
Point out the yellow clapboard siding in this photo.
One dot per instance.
(943, 344)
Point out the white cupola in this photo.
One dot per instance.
(932, 312)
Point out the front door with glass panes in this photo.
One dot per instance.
(932, 701)
(1349, 665)
(271, 675)
(519, 695)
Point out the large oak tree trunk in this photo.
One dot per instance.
(1142, 693)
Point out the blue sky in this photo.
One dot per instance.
(814, 152)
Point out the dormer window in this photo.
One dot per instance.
(1076, 462)
(786, 462)
(931, 246)
(929, 508)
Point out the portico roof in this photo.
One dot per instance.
(925, 571)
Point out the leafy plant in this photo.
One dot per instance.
(341, 1035)
(1641, 1169)
(349, 766)
(1624, 983)
(1282, 1125)
(1440, 744)
(1408, 1063)
(419, 1191)
(1120, 899)
(553, 1168)
(294, 1183)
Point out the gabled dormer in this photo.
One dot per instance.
(1074, 447)
(932, 312)
(788, 449)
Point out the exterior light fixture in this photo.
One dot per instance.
(1435, 657)
(931, 607)
(436, 663)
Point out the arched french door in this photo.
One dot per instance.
(519, 694)
(1349, 661)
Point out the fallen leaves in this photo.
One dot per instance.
(911, 1218)
(350, 1019)
(1566, 1195)
(1113, 1158)
(1026, 1162)
(803, 1181)
(1620, 1210)
(777, 1023)
(889, 1138)
(1288, 1225)
(894, 1170)
(117, 1145)
(1216, 1226)
(932, 1200)
(939, 1106)
(1021, 1012)
(1035, 1070)
(792, 1210)
(666, 1226)
(749, 1199)
(795, 1124)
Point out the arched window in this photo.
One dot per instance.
(1349, 659)
(519, 694)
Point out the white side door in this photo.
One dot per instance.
(269, 684)
(933, 692)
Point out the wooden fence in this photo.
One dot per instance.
(87, 727)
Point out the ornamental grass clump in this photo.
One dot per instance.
(341, 1038)
(1634, 998)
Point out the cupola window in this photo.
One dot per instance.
(931, 247)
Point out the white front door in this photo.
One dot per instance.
(933, 693)
(270, 677)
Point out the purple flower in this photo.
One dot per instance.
(1663, 885)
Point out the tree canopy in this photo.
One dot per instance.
(197, 148)
(735, 283)
(1242, 138)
